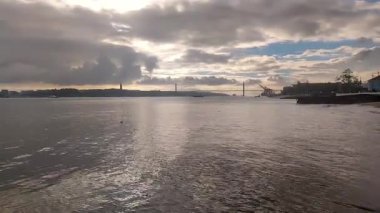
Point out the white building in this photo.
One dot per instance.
(374, 84)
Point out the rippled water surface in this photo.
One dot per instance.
(224, 154)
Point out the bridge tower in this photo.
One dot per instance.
(243, 89)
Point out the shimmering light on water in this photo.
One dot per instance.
(187, 155)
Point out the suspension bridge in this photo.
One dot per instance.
(265, 91)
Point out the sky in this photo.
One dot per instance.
(152, 44)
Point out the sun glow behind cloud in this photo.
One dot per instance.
(116, 5)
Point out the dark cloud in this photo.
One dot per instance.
(40, 43)
(156, 81)
(150, 63)
(196, 23)
(365, 60)
(199, 56)
(212, 81)
(215, 23)
(253, 82)
(189, 80)
(253, 65)
(279, 80)
(102, 71)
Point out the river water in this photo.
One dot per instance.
(222, 154)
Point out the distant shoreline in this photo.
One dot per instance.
(374, 104)
(69, 92)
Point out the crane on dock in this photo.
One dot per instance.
(268, 92)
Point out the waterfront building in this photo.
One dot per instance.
(321, 88)
(312, 88)
(4, 93)
(374, 84)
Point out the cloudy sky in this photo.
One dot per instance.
(196, 43)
